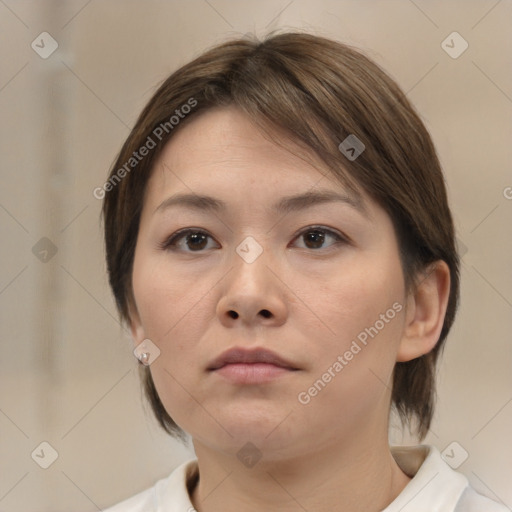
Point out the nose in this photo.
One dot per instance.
(254, 295)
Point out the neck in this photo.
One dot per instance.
(351, 477)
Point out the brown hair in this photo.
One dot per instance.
(319, 91)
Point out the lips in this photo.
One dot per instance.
(256, 367)
(239, 356)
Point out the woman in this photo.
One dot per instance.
(279, 241)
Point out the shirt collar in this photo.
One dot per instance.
(435, 487)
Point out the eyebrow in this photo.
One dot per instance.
(285, 205)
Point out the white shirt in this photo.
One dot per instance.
(435, 487)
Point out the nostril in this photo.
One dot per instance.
(266, 313)
(233, 314)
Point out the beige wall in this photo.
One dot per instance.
(67, 373)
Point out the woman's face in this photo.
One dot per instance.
(318, 283)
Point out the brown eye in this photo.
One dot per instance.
(188, 240)
(196, 241)
(314, 238)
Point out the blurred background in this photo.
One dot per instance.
(74, 76)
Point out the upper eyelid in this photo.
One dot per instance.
(322, 228)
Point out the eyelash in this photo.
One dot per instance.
(170, 243)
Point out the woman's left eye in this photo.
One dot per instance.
(314, 238)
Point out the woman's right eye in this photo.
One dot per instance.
(194, 239)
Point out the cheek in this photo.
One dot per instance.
(173, 313)
(167, 300)
(351, 380)
(363, 323)
(355, 297)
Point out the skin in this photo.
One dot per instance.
(332, 453)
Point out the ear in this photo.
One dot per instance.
(136, 327)
(425, 312)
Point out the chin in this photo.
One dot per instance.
(266, 432)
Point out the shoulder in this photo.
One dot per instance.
(471, 501)
(144, 501)
(170, 493)
(435, 485)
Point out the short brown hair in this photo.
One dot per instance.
(319, 91)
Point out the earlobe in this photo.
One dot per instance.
(425, 312)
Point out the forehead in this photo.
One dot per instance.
(225, 136)
(221, 151)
